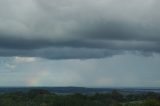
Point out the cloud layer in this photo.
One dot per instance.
(80, 29)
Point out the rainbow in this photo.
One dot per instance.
(36, 79)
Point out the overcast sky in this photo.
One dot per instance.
(92, 43)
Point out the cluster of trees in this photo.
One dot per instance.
(45, 98)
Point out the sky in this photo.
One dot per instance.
(87, 43)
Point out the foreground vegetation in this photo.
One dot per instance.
(45, 98)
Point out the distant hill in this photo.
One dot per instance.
(80, 89)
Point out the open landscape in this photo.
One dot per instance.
(78, 96)
(79, 52)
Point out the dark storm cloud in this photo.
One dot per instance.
(78, 29)
(61, 53)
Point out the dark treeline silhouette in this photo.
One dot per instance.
(38, 97)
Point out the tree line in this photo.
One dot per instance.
(39, 97)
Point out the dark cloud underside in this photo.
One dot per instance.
(78, 29)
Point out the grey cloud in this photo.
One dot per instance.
(78, 29)
(61, 53)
